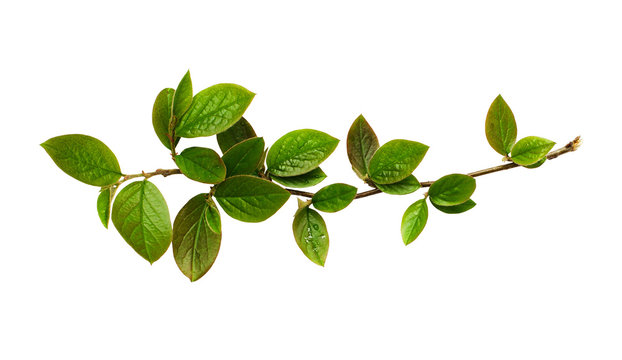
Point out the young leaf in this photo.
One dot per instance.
(408, 185)
(299, 152)
(536, 165)
(452, 190)
(212, 216)
(334, 197)
(456, 209)
(362, 143)
(214, 110)
(251, 199)
(311, 178)
(195, 244)
(244, 157)
(530, 150)
(414, 220)
(395, 160)
(141, 216)
(183, 96)
(84, 158)
(161, 116)
(103, 205)
(311, 234)
(237, 133)
(500, 126)
(201, 164)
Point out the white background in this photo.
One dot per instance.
(533, 271)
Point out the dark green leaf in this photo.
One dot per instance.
(237, 133)
(250, 199)
(311, 234)
(452, 189)
(299, 152)
(201, 164)
(456, 209)
(161, 116)
(500, 126)
(214, 110)
(195, 244)
(183, 96)
(530, 150)
(414, 220)
(537, 164)
(141, 216)
(406, 186)
(244, 157)
(362, 144)
(84, 158)
(395, 160)
(311, 178)
(103, 205)
(334, 197)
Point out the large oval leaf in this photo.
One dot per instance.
(334, 197)
(500, 126)
(237, 133)
(201, 164)
(405, 186)
(214, 110)
(362, 144)
(311, 234)
(309, 179)
(183, 96)
(530, 150)
(414, 220)
(195, 244)
(84, 158)
(452, 189)
(243, 158)
(141, 216)
(299, 152)
(161, 116)
(395, 160)
(251, 199)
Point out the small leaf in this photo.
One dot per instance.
(536, 165)
(299, 152)
(530, 150)
(500, 126)
(161, 116)
(84, 158)
(414, 220)
(456, 209)
(195, 244)
(214, 110)
(334, 197)
(237, 133)
(311, 234)
(362, 143)
(103, 204)
(309, 179)
(251, 199)
(452, 189)
(183, 96)
(212, 216)
(141, 216)
(243, 158)
(406, 186)
(395, 160)
(202, 165)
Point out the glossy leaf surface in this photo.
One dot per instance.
(299, 152)
(414, 220)
(311, 234)
(161, 116)
(334, 197)
(456, 209)
(536, 165)
(309, 179)
(408, 185)
(201, 164)
(183, 96)
(395, 160)
(530, 150)
(500, 126)
(243, 158)
(452, 189)
(104, 201)
(237, 133)
(362, 143)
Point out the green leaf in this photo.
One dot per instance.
(201, 164)
(536, 165)
(362, 143)
(214, 110)
(456, 209)
(244, 157)
(141, 216)
(414, 220)
(161, 116)
(299, 152)
(334, 197)
(251, 199)
(195, 244)
(237, 133)
(103, 204)
(311, 234)
(183, 96)
(530, 150)
(212, 216)
(309, 179)
(408, 185)
(395, 160)
(500, 126)
(452, 189)
(84, 158)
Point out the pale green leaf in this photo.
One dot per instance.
(530, 150)
(299, 152)
(311, 234)
(395, 160)
(414, 220)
